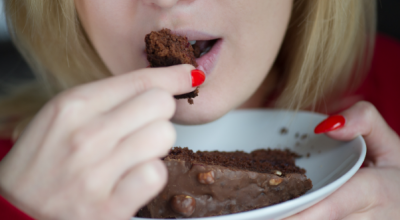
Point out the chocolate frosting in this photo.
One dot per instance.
(209, 190)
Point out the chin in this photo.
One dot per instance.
(198, 113)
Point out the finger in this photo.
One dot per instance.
(96, 140)
(78, 106)
(382, 142)
(138, 186)
(153, 105)
(358, 194)
(26, 145)
(151, 142)
(106, 94)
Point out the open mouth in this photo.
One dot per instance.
(207, 53)
(202, 47)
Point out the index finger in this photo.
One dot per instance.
(105, 94)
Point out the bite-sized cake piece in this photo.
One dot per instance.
(166, 49)
(215, 183)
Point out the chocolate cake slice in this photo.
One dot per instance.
(166, 49)
(215, 183)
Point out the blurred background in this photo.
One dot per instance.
(13, 69)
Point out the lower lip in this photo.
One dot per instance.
(207, 61)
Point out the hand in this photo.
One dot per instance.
(373, 192)
(93, 151)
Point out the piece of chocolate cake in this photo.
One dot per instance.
(215, 183)
(166, 49)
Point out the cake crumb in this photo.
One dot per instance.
(297, 135)
(304, 136)
(284, 130)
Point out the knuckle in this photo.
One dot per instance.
(366, 109)
(78, 141)
(69, 103)
(82, 138)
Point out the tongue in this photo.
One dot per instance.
(203, 44)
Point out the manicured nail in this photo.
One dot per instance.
(363, 165)
(198, 77)
(331, 123)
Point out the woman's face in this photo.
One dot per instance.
(247, 36)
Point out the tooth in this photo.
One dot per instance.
(192, 42)
(205, 51)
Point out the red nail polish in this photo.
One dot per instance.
(198, 77)
(331, 123)
(363, 165)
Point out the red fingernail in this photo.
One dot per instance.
(363, 165)
(198, 77)
(331, 123)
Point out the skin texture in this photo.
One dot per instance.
(90, 153)
(244, 60)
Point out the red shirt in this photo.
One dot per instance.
(380, 88)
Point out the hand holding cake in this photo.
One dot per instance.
(166, 49)
(117, 116)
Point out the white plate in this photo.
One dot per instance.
(330, 164)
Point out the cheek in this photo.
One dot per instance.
(257, 41)
(110, 26)
(252, 46)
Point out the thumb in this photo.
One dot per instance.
(383, 144)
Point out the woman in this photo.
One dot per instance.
(88, 153)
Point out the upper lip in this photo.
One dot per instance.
(194, 35)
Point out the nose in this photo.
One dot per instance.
(163, 3)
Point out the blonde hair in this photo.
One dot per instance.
(327, 43)
(328, 47)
